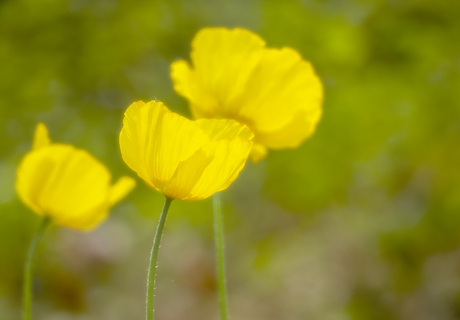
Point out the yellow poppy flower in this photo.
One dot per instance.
(184, 159)
(67, 184)
(233, 75)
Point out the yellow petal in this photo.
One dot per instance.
(41, 138)
(186, 85)
(154, 141)
(293, 133)
(229, 146)
(230, 155)
(186, 176)
(133, 138)
(219, 129)
(281, 86)
(120, 189)
(223, 60)
(258, 152)
(87, 221)
(65, 183)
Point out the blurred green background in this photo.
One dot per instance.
(361, 222)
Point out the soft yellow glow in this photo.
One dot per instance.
(184, 159)
(233, 75)
(67, 184)
(41, 138)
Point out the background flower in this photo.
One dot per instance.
(233, 75)
(67, 184)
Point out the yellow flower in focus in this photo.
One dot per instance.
(184, 159)
(67, 184)
(233, 75)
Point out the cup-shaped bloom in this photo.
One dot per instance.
(184, 159)
(233, 75)
(67, 184)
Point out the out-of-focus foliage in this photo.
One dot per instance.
(361, 222)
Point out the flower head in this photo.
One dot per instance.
(67, 184)
(184, 159)
(233, 75)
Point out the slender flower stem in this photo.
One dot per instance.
(151, 273)
(219, 243)
(28, 277)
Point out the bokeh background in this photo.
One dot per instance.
(361, 222)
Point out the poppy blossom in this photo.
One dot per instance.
(67, 184)
(233, 75)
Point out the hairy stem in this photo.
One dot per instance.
(151, 273)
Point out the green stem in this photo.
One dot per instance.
(27, 299)
(151, 273)
(219, 243)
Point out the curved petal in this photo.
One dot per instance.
(229, 157)
(154, 141)
(41, 138)
(94, 217)
(65, 183)
(258, 152)
(282, 85)
(86, 221)
(219, 129)
(186, 84)
(223, 61)
(301, 126)
(187, 174)
(182, 76)
(120, 189)
(230, 146)
(132, 138)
